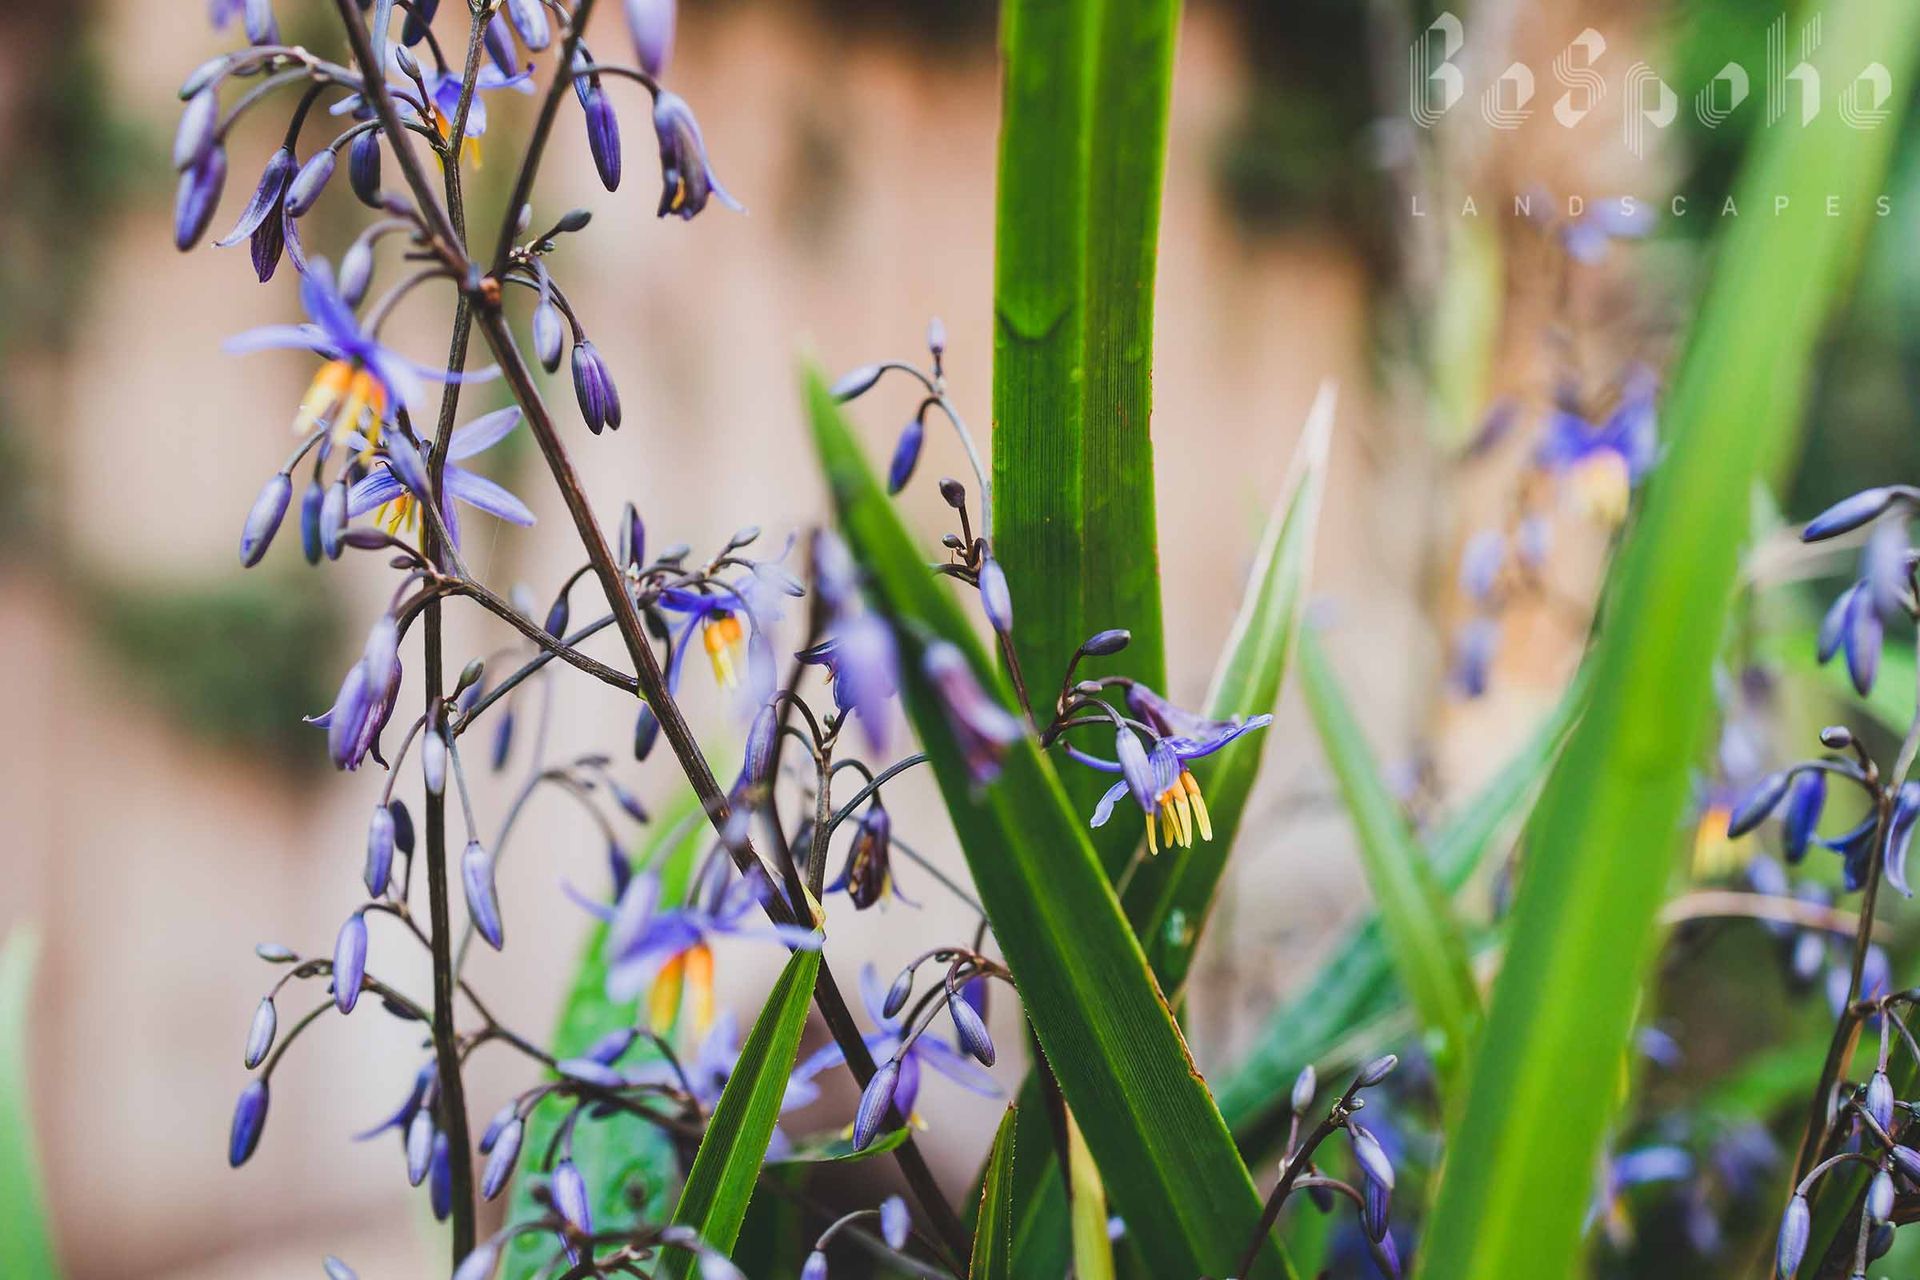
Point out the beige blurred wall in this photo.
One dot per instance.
(152, 862)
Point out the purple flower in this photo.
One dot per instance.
(1587, 237)
(361, 380)
(443, 95)
(863, 667)
(365, 701)
(388, 488)
(651, 23)
(686, 175)
(1604, 461)
(249, 1119)
(981, 727)
(868, 874)
(483, 902)
(718, 612)
(665, 951)
(926, 1051)
(349, 962)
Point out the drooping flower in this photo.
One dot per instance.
(1603, 461)
(365, 701)
(666, 951)
(867, 876)
(387, 488)
(981, 726)
(730, 633)
(362, 380)
(885, 1044)
(686, 175)
(443, 101)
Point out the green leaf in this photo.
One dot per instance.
(727, 1165)
(1543, 1086)
(1355, 986)
(1083, 126)
(1092, 1247)
(993, 1227)
(1429, 950)
(1170, 897)
(24, 1239)
(1123, 1068)
(620, 1150)
(840, 1150)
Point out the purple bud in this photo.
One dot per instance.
(356, 272)
(333, 520)
(1805, 799)
(379, 850)
(363, 168)
(1757, 804)
(498, 40)
(1847, 514)
(994, 596)
(274, 952)
(210, 72)
(652, 22)
(1864, 632)
(556, 624)
(195, 136)
(402, 827)
(972, 1030)
(570, 1197)
(593, 388)
(1135, 768)
(197, 196)
(249, 1118)
(981, 726)
(548, 337)
(529, 18)
(633, 538)
(258, 19)
(875, 1099)
(761, 739)
(1370, 1156)
(336, 1269)
(906, 455)
(349, 962)
(419, 1146)
(1906, 808)
(1480, 563)
(260, 1035)
(894, 1222)
(310, 181)
(440, 1178)
(937, 337)
(478, 1265)
(897, 994)
(815, 1268)
(1373, 1210)
(483, 904)
(1879, 1100)
(1906, 1160)
(310, 503)
(646, 732)
(1103, 643)
(1305, 1085)
(433, 761)
(1795, 1227)
(856, 382)
(502, 1159)
(603, 135)
(1375, 1071)
(1880, 1197)
(382, 652)
(263, 521)
(613, 1046)
(587, 1071)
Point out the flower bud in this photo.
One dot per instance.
(333, 520)
(363, 168)
(953, 493)
(1757, 804)
(1880, 1197)
(502, 1159)
(1847, 514)
(1907, 1161)
(815, 1268)
(478, 1265)
(310, 181)
(483, 904)
(349, 962)
(994, 596)
(356, 272)
(1370, 1155)
(263, 521)
(603, 134)
(971, 1029)
(593, 388)
(402, 827)
(1795, 1227)
(936, 337)
(274, 953)
(433, 761)
(1305, 1085)
(651, 23)
(419, 1146)
(1879, 1100)
(898, 994)
(336, 1269)
(195, 135)
(569, 1192)
(1375, 1071)
(855, 382)
(249, 1118)
(875, 1100)
(440, 1178)
(1373, 1210)
(257, 17)
(646, 732)
(260, 1035)
(1103, 643)
(379, 869)
(548, 337)
(311, 501)
(761, 740)
(906, 455)
(894, 1222)
(529, 18)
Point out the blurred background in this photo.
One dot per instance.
(167, 809)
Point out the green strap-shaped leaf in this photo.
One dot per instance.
(1167, 1158)
(617, 1151)
(727, 1165)
(1428, 948)
(1092, 1247)
(1542, 1087)
(24, 1241)
(1082, 153)
(1171, 896)
(993, 1225)
(1355, 986)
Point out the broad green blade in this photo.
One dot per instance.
(1543, 1086)
(616, 1151)
(993, 1225)
(1092, 1248)
(1428, 948)
(1171, 896)
(25, 1244)
(1355, 986)
(726, 1167)
(1083, 129)
(1169, 1163)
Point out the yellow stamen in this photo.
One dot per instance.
(323, 393)
(1176, 800)
(663, 1006)
(722, 636)
(1603, 487)
(1153, 845)
(700, 981)
(1200, 814)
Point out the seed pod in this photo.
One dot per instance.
(263, 520)
(249, 1119)
(875, 1100)
(349, 962)
(260, 1035)
(483, 903)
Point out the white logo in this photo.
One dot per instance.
(1579, 77)
(1504, 102)
(1434, 84)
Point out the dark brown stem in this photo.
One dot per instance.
(542, 130)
